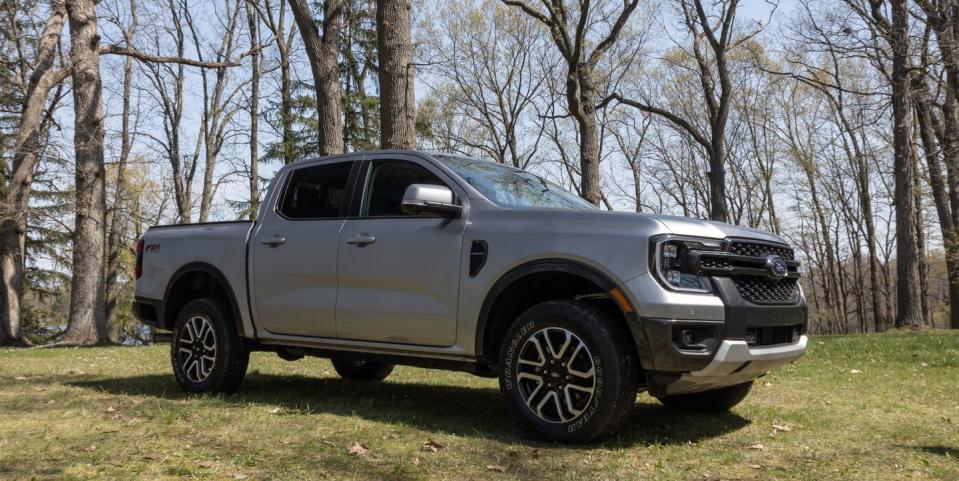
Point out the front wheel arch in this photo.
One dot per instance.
(492, 325)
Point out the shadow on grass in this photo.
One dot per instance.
(946, 451)
(478, 412)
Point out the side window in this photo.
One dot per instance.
(316, 192)
(388, 181)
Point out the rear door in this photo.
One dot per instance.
(293, 250)
(398, 274)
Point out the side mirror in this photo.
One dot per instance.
(422, 199)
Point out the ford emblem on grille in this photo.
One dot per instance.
(777, 267)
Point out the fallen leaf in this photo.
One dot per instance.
(110, 431)
(328, 442)
(416, 461)
(535, 454)
(240, 476)
(855, 371)
(77, 372)
(111, 409)
(432, 446)
(782, 427)
(755, 466)
(829, 402)
(758, 447)
(91, 447)
(20, 378)
(274, 411)
(357, 449)
(206, 464)
(496, 467)
(151, 456)
(925, 364)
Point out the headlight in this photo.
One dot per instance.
(669, 261)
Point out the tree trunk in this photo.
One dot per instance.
(581, 94)
(25, 156)
(117, 222)
(254, 113)
(286, 106)
(86, 317)
(908, 295)
(322, 48)
(397, 105)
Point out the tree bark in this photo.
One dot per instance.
(86, 322)
(322, 48)
(13, 226)
(254, 113)
(117, 222)
(908, 295)
(397, 105)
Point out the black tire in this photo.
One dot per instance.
(355, 370)
(608, 351)
(230, 354)
(712, 401)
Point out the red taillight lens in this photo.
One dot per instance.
(138, 268)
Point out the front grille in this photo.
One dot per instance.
(761, 290)
(772, 335)
(757, 249)
(714, 263)
(764, 290)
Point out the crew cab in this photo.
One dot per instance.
(448, 262)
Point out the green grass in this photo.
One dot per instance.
(856, 407)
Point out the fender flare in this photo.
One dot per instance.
(217, 275)
(568, 266)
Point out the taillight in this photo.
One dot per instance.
(138, 268)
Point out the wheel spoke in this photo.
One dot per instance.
(549, 344)
(569, 403)
(539, 352)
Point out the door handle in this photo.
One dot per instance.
(361, 239)
(275, 241)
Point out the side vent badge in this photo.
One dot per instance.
(478, 250)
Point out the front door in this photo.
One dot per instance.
(293, 252)
(398, 274)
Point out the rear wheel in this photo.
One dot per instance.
(362, 370)
(568, 372)
(712, 401)
(207, 353)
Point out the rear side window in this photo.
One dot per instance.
(388, 182)
(316, 192)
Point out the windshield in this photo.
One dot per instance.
(512, 188)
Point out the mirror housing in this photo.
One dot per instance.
(420, 199)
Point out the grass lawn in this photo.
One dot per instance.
(856, 407)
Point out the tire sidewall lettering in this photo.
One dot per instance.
(511, 354)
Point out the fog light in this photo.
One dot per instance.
(693, 338)
(674, 277)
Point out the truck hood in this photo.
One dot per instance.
(712, 229)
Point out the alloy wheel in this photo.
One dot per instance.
(197, 348)
(556, 375)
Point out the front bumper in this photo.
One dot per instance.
(735, 363)
(732, 349)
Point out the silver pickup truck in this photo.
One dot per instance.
(448, 262)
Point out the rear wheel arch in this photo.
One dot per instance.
(194, 281)
(523, 286)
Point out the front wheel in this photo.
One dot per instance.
(207, 353)
(568, 372)
(712, 401)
